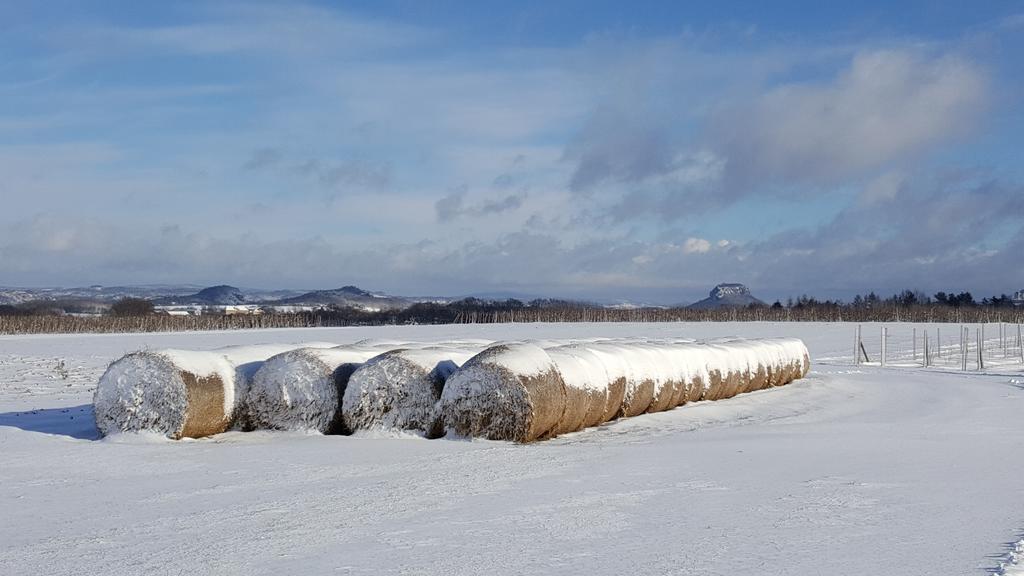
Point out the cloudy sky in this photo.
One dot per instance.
(608, 150)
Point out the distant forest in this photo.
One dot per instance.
(132, 315)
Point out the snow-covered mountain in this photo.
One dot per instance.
(222, 295)
(94, 293)
(346, 296)
(729, 295)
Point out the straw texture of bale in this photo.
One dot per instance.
(399, 390)
(507, 392)
(637, 397)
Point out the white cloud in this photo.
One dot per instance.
(887, 106)
(696, 246)
(356, 163)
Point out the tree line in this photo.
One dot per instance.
(134, 315)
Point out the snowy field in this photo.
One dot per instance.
(853, 470)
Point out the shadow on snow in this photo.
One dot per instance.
(73, 421)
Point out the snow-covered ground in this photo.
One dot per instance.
(853, 470)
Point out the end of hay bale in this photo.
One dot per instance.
(399, 390)
(299, 390)
(176, 393)
(507, 392)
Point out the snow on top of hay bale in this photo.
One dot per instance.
(204, 364)
(579, 366)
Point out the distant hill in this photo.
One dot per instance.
(345, 296)
(222, 295)
(95, 293)
(728, 295)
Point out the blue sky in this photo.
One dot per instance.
(581, 149)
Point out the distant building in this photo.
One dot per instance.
(1018, 298)
(201, 310)
(239, 310)
(182, 310)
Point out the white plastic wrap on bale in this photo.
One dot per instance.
(301, 389)
(178, 393)
(510, 391)
(399, 389)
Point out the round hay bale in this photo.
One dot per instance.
(639, 391)
(685, 366)
(696, 388)
(727, 369)
(178, 393)
(716, 387)
(730, 365)
(302, 389)
(706, 380)
(759, 379)
(734, 381)
(749, 365)
(745, 357)
(507, 392)
(618, 370)
(691, 360)
(766, 358)
(172, 392)
(773, 364)
(586, 387)
(787, 357)
(663, 370)
(780, 370)
(399, 390)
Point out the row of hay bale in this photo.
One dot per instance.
(518, 391)
(192, 394)
(522, 392)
